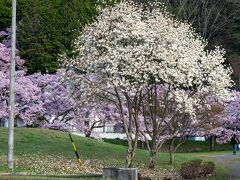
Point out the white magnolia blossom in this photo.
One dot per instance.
(185, 103)
(131, 48)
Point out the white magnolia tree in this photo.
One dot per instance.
(128, 51)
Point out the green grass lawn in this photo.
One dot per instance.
(41, 151)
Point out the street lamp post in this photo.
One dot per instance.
(12, 89)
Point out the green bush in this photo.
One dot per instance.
(187, 147)
(197, 146)
(116, 141)
(196, 168)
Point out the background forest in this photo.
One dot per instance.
(47, 28)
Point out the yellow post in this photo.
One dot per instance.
(75, 150)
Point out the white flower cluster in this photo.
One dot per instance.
(132, 48)
(184, 103)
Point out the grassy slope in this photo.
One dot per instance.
(35, 146)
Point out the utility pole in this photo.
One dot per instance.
(238, 75)
(12, 89)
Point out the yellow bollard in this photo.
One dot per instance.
(75, 150)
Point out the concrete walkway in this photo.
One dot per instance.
(229, 162)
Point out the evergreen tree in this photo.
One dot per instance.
(47, 28)
(5, 14)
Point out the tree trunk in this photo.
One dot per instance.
(152, 160)
(171, 154)
(142, 144)
(88, 134)
(212, 143)
(130, 154)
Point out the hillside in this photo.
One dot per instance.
(53, 150)
(41, 151)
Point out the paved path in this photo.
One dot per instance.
(229, 162)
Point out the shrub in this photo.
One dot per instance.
(196, 168)
(188, 146)
(142, 177)
(190, 169)
(207, 168)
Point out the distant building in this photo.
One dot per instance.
(110, 128)
(18, 123)
(196, 138)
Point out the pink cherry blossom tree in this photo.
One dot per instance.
(167, 118)
(229, 121)
(44, 100)
(63, 108)
(28, 106)
(184, 126)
